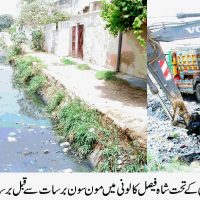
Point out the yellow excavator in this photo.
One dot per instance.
(159, 69)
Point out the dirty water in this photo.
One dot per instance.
(27, 139)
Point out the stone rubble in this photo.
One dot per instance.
(167, 142)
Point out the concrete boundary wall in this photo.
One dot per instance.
(49, 38)
(99, 47)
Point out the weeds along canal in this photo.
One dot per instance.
(27, 140)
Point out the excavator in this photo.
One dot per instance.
(159, 70)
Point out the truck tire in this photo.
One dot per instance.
(197, 89)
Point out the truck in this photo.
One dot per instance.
(184, 63)
(184, 76)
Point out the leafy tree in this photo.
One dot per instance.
(6, 21)
(122, 16)
(39, 12)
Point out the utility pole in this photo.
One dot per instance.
(119, 52)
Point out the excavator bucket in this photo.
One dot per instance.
(194, 124)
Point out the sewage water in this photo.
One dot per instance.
(27, 140)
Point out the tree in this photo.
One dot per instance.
(39, 12)
(122, 16)
(6, 21)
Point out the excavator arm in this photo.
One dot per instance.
(157, 66)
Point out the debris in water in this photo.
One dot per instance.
(19, 131)
(65, 144)
(28, 153)
(12, 139)
(46, 151)
(65, 150)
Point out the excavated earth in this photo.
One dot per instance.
(167, 142)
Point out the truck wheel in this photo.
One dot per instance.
(198, 92)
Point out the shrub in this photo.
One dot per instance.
(106, 75)
(57, 99)
(110, 154)
(83, 67)
(26, 68)
(126, 15)
(18, 40)
(36, 84)
(77, 122)
(37, 39)
(67, 61)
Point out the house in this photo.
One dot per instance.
(84, 36)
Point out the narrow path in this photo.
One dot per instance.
(124, 105)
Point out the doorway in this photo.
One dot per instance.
(80, 41)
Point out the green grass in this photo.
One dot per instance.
(82, 127)
(83, 67)
(26, 68)
(76, 122)
(106, 75)
(56, 100)
(28, 73)
(110, 154)
(36, 84)
(67, 61)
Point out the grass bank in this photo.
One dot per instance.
(88, 131)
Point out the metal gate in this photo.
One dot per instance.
(74, 41)
(80, 40)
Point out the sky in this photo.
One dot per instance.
(8, 7)
(166, 10)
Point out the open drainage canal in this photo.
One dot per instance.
(27, 139)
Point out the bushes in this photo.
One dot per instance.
(83, 67)
(56, 100)
(37, 39)
(126, 15)
(26, 68)
(36, 84)
(28, 73)
(106, 75)
(67, 61)
(79, 124)
(110, 154)
(18, 40)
